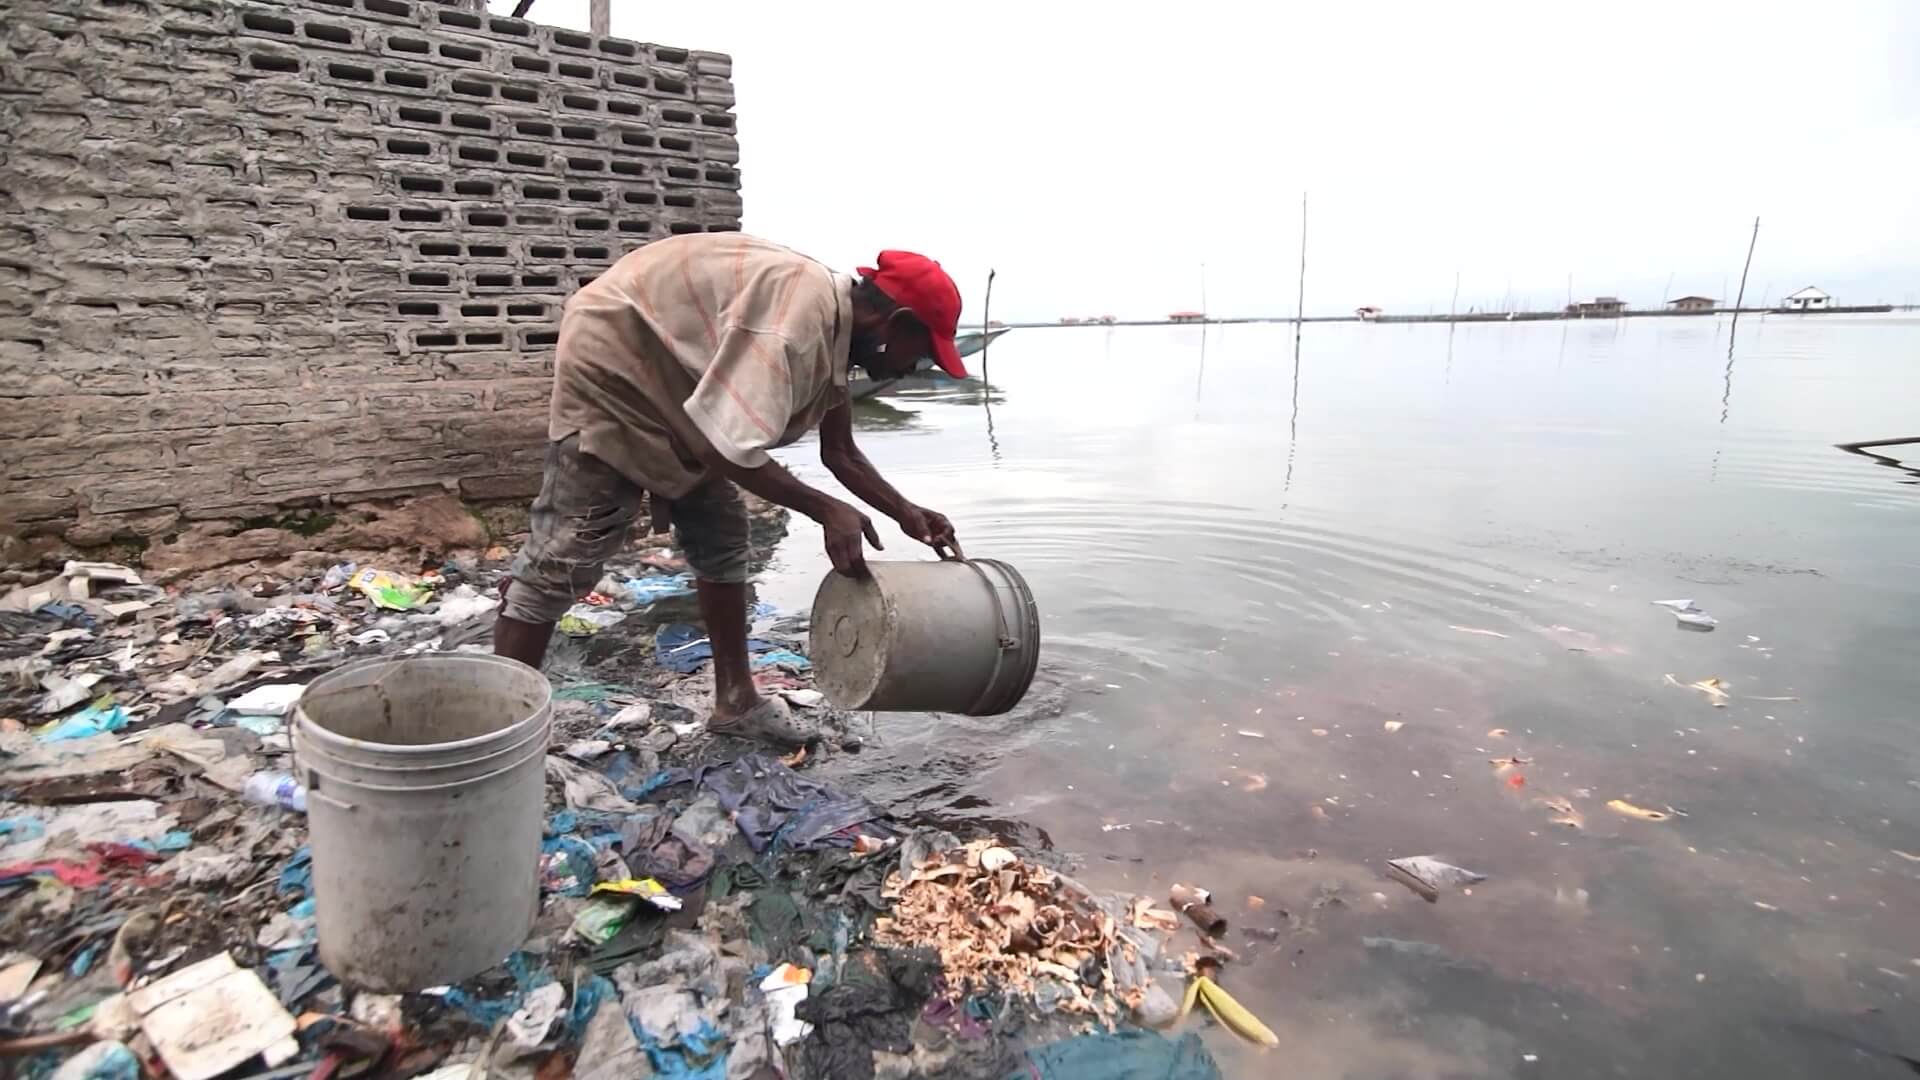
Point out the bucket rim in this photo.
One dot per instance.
(329, 739)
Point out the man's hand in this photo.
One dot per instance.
(930, 527)
(844, 527)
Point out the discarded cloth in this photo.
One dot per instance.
(654, 848)
(871, 1006)
(1121, 1055)
(771, 802)
(646, 590)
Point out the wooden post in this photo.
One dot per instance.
(986, 328)
(600, 17)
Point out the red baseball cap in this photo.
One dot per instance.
(917, 283)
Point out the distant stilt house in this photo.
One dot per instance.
(1187, 316)
(1807, 299)
(1693, 303)
(1599, 305)
(1368, 313)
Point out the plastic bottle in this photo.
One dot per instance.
(276, 789)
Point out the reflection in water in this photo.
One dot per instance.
(1260, 687)
(1864, 449)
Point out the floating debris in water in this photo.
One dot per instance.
(1498, 733)
(1564, 812)
(1713, 686)
(1641, 813)
(1252, 734)
(1696, 620)
(1393, 726)
(1476, 630)
(1427, 875)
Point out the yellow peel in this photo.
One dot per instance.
(1622, 806)
(1230, 1013)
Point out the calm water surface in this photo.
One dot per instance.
(1246, 576)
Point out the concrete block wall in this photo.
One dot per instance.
(261, 254)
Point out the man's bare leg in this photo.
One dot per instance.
(724, 607)
(525, 641)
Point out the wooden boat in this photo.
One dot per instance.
(968, 343)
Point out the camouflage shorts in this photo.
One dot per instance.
(581, 518)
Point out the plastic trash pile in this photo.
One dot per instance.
(708, 910)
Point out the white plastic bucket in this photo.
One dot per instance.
(956, 636)
(426, 794)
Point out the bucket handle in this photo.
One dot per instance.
(1007, 640)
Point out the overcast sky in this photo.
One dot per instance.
(1097, 155)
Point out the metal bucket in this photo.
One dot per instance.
(960, 637)
(426, 791)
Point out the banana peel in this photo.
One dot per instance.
(1230, 1013)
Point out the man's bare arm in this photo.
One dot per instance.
(842, 524)
(844, 459)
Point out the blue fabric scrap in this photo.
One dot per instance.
(297, 874)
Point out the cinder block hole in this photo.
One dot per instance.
(438, 248)
(492, 281)
(412, 80)
(536, 220)
(408, 45)
(586, 164)
(676, 116)
(630, 168)
(523, 94)
(458, 18)
(408, 146)
(682, 228)
(547, 251)
(471, 121)
(338, 35)
(388, 7)
(511, 27)
(462, 52)
(526, 311)
(635, 138)
(723, 228)
(486, 219)
(584, 280)
(572, 40)
(631, 226)
(669, 86)
(479, 153)
(532, 63)
(579, 132)
(640, 198)
(589, 253)
(538, 281)
(543, 337)
(428, 277)
(270, 62)
(486, 251)
(669, 56)
(618, 48)
(722, 176)
(416, 307)
(436, 340)
(422, 183)
(420, 116)
(420, 215)
(625, 108)
(584, 195)
(350, 72)
(471, 88)
(538, 191)
(473, 187)
(684, 202)
(534, 128)
(348, 4)
(479, 310)
(493, 338)
(591, 224)
(576, 71)
(581, 102)
(526, 160)
(683, 172)
(272, 24)
(668, 142)
(628, 78)
(717, 120)
(369, 213)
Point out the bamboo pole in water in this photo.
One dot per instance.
(986, 330)
(1300, 298)
(1755, 239)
